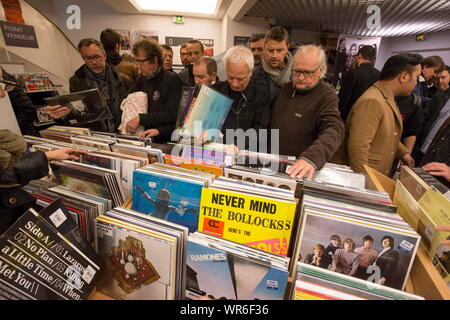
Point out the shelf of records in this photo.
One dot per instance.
(137, 220)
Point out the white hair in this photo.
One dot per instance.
(239, 54)
(322, 56)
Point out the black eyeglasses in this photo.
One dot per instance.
(140, 61)
(92, 58)
(305, 73)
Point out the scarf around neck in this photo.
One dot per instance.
(280, 77)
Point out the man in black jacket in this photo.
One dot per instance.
(433, 144)
(358, 80)
(251, 100)
(163, 90)
(96, 74)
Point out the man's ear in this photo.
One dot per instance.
(117, 48)
(404, 77)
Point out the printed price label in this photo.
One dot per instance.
(88, 275)
(58, 218)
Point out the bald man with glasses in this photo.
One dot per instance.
(306, 114)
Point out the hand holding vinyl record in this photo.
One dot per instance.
(57, 111)
(2, 93)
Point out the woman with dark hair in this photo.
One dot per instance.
(351, 57)
(387, 260)
(339, 64)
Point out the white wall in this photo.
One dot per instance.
(438, 43)
(55, 54)
(97, 16)
(245, 27)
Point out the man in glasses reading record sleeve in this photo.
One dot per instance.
(306, 114)
(96, 74)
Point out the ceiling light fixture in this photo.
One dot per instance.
(181, 6)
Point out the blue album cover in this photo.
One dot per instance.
(239, 278)
(167, 197)
(211, 108)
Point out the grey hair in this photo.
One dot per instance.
(239, 54)
(322, 56)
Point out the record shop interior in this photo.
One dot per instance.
(224, 150)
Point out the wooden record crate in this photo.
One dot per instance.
(424, 280)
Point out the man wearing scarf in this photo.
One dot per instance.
(163, 89)
(276, 65)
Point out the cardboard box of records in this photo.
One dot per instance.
(424, 203)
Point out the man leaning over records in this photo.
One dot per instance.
(251, 102)
(96, 74)
(306, 114)
(163, 89)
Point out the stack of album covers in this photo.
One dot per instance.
(172, 160)
(82, 207)
(330, 173)
(417, 181)
(314, 283)
(356, 240)
(122, 163)
(63, 133)
(426, 215)
(437, 210)
(96, 142)
(43, 144)
(43, 257)
(170, 193)
(258, 160)
(222, 269)
(145, 257)
(92, 180)
(368, 198)
(210, 153)
(256, 215)
(152, 154)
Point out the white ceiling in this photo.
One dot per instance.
(398, 17)
(127, 6)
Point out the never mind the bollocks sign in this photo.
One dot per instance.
(18, 35)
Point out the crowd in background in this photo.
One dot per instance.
(378, 118)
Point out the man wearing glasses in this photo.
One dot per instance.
(306, 114)
(251, 101)
(163, 89)
(96, 74)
